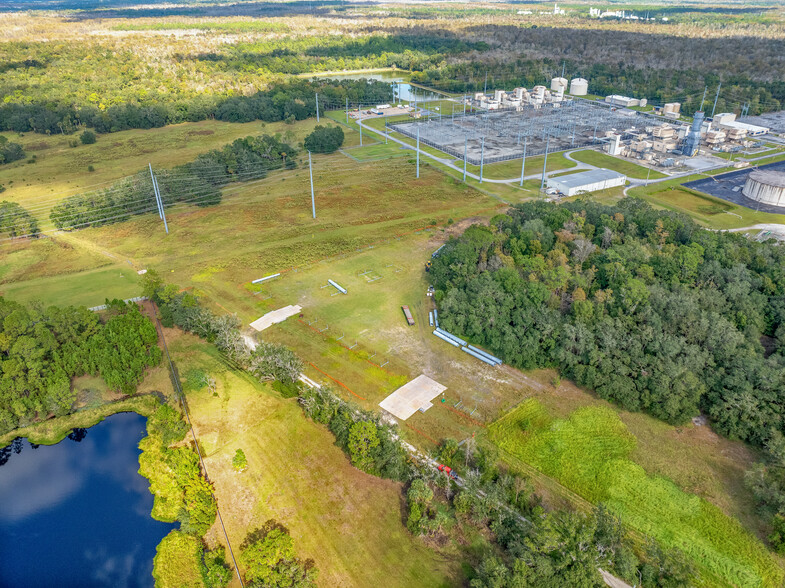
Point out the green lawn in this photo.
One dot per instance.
(705, 209)
(88, 288)
(622, 166)
(589, 453)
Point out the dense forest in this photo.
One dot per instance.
(643, 306)
(43, 349)
(198, 182)
(292, 100)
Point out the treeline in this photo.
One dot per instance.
(333, 53)
(292, 100)
(43, 349)
(659, 86)
(198, 182)
(640, 305)
(16, 221)
(10, 151)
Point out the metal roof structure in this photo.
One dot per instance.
(591, 176)
(771, 178)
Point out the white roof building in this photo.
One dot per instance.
(588, 181)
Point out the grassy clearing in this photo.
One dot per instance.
(377, 151)
(61, 170)
(589, 453)
(89, 288)
(267, 227)
(622, 166)
(53, 431)
(705, 209)
(29, 259)
(351, 527)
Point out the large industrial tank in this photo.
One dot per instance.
(558, 84)
(579, 87)
(765, 186)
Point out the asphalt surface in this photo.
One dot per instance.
(728, 187)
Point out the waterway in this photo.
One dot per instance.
(78, 513)
(399, 79)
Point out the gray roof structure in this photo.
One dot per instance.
(771, 178)
(587, 177)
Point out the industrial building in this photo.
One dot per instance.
(624, 101)
(505, 134)
(588, 181)
(766, 186)
(727, 120)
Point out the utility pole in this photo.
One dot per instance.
(347, 110)
(523, 161)
(482, 157)
(717, 97)
(158, 199)
(418, 150)
(155, 192)
(313, 200)
(317, 107)
(545, 163)
(465, 151)
(360, 122)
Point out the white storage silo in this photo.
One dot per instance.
(579, 87)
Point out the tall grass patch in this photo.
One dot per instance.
(589, 453)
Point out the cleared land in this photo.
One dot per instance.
(352, 527)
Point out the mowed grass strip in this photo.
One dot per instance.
(588, 453)
(349, 522)
(622, 166)
(90, 288)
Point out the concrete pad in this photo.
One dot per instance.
(276, 316)
(411, 397)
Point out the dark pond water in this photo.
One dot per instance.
(78, 513)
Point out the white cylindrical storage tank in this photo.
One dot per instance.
(579, 87)
(498, 95)
(767, 187)
(558, 84)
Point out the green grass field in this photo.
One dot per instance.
(61, 170)
(351, 526)
(589, 453)
(622, 166)
(88, 288)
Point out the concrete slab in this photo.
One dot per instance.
(276, 316)
(411, 397)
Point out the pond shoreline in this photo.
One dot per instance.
(54, 430)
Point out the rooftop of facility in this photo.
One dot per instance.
(588, 177)
(772, 178)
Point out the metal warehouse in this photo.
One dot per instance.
(588, 181)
